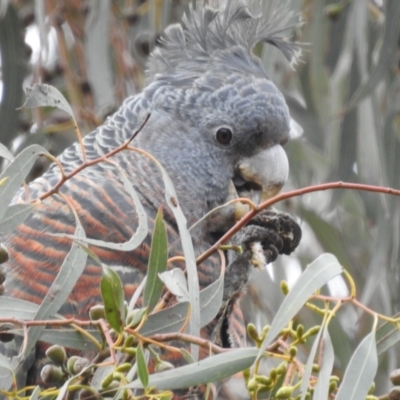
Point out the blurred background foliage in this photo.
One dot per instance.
(345, 94)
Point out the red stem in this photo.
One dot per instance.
(288, 195)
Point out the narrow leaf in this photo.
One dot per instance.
(17, 308)
(328, 235)
(43, 95)
(16, 173)
(14, 216)
(360, 372)
(277, 386)
(387, 335)
(141, 231)
(188, 251)
(314, 277)
(321, 390)
(142, 366)
(169, 320)
(6, 373)
(97, 55)
(172, 319)
(211, 300)
(136, 295)
(157, 263)
(175, 281)
(387, 56)
(36, 393)
(69, 273)
(112, 293)
(70, 381)
(5, 363)
(211, 369)
(3, 7)
(68, 337)
(113, 298)
(5, 153)
(309, 364)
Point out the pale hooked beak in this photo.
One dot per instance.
(259, 178)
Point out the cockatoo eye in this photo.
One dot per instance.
(224, 136)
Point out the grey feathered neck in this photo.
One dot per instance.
(208, 31)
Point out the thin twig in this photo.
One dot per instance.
(183, 337)
(94, 162)
(104, 328)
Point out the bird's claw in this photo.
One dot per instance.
(267, 235)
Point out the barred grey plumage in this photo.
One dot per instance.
(211, 105)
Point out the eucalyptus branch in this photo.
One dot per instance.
(288, 195)
(77, 325)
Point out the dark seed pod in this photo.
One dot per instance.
(3, 254)
(334, 11)
(394, 394)
(86, 394)
(395, 377)
(5, 336)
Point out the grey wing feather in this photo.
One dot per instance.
(114, 132)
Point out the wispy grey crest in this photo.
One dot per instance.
(209, 31)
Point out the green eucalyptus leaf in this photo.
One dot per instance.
(36, 393)
(321, 390)
(68, 337)
(113, 298)
(175, 281)
(279, 383)
(5, 153)
(157, 262)
(309, 364)
(43, 95)
(317, 274)
(211, 369)
(69, 273)
(169, 320)
(360, 372)
(6, 373)
(387, 335)
(16, 172)
(172, 319)
(142, 366)
(76, 378)
(189, 254)
(14, 216)
(17, 308)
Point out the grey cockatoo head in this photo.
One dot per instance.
(224, 119)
